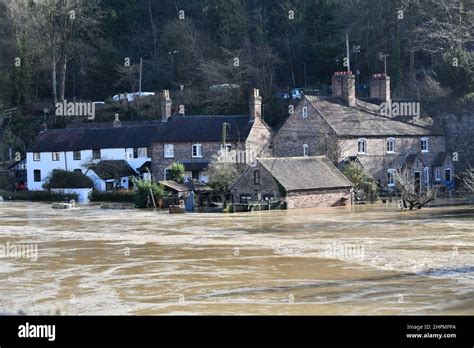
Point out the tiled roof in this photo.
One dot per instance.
(112, 169)
(305, 173)
(84, 136)
(365, 120)
(75, 139)
(203, 128)
(439, 159)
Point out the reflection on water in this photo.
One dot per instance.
(362, 260)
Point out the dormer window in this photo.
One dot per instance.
(305, 150)
(96, 154)
(362, 146)
(424, 145)
(390, 145)
(304, 111)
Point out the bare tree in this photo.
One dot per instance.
(329, 146)
(413, 194)
(467, 178)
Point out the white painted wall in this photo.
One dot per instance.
(67, 162)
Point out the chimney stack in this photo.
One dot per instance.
(255, 106)
(117, 122)
(343, 86)
(165, 105)
(380, 87)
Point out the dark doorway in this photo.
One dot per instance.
(448, 175)
(417, 181)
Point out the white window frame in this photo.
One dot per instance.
(56, 156)
(305, 150)
(437, 174)
(391, 149)
(364, 141)
(198, 148)
(426, 175)
(423, 140)
(36, 156)
(304, 111)
(391, 173)
(142, 152)
(97, 151)
(168, 151)
(74, 157)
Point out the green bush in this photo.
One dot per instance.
(359, 178)
(66, 179)
(142, 195)
(119, 196)
(176, 172)
(38, 196)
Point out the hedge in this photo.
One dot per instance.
(113, 196)
(38, 196)
(66, 179)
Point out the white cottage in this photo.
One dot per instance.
(79, 146)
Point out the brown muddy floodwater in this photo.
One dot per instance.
(369, 259)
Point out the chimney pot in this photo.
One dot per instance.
(166, 104)
(343, 86)
(255, 106)
(117, 122)
(380, 87)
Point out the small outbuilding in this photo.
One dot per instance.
(301, 182)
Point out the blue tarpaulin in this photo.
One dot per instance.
(190, 202)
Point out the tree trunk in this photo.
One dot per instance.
(62, 76)
(53, 75)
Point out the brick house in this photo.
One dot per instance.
(301, 182)
(362, 129)
(193, 140)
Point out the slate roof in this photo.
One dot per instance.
(84, 138)
(195, 165)
(174, 185)
(305, 173)
(365, 120)
(111, 169)
(203, 128)
(439, 159)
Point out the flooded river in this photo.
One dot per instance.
(369, 259)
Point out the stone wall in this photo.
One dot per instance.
(297, 131)
(377, 160)
(182, 152)
(313, 199)
(245, 185)
(459, 137)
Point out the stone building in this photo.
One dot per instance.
(381, 133)
(194, 140)
(302, 182)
